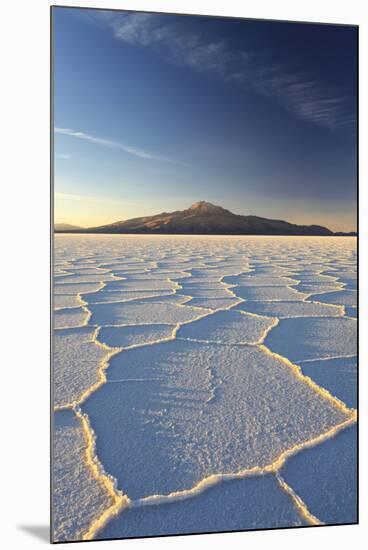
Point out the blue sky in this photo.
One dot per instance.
(155, 112)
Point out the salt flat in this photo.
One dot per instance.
(202, 378)
(78, 496)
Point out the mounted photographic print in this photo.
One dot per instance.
(204, 341)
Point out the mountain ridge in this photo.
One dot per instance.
(205, 218)
(66, 227)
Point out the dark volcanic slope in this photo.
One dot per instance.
(206, 218)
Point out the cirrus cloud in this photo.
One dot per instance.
(112, 144)
(295, 90)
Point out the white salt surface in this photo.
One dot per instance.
(214, 303)
(316, 288)
(197, 409)
(78, 497)
(77, 277)
(137, 312)
(76, 360)
(134, 335)
(197, 398)
(271, 293)
(121, 296)
(66, 300)
(290, 309)
(314, 338)
(70, 317)
(325, 477)
(253, 279)
(227, 327)
(252, 503)
(338, 376)
(138, 284)
(351, 311)
(77, 288)
(343, 297)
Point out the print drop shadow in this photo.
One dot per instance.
(40, 532)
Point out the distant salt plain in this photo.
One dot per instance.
(203, 384)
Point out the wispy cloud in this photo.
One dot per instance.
(170, 41)
(113, 144)
(297, 92)
(304, 96)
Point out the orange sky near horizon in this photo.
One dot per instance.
(91, 211)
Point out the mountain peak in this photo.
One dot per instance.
(204, 206)
(205, 218)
